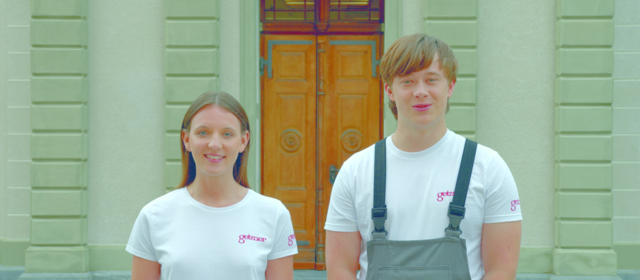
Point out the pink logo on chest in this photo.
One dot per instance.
(514, 203)
(443, 194)
(291, 239)
(250, 237)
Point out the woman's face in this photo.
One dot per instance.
(215, 140)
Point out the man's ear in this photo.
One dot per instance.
(452, 85)
(185, 140)
(387, 90)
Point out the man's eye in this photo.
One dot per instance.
(406, 82)
(228, 134)
(202, 133)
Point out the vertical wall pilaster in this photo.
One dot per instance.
(584, 94)
(626, 134)
(191, 66)
(250, 86)
(16, 129)
(58, 142)
(455, 22)
(392, 31)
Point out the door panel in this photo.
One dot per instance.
(289, 135)
(308, 127)
(350, 110)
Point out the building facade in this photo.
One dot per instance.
(93, 93)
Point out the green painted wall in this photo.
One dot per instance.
(3, 124)
(59, 137)
(191, 66)
(250, 85)
(626, 133)
(456, 23)
(584, 56)
(126, 126)
(515, 113)
(16, 130)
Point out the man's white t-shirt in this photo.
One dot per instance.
(193, 241)
(420, 187)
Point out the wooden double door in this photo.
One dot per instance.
(321, 102)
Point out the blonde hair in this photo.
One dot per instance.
(413, 53)
(229, 103)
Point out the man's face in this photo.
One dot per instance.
(421, 97)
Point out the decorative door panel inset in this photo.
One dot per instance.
(289, 133)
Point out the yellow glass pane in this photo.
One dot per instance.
(375, 5)
(268, 16)
(354, 15)
(375, 15)
(294, 4)
(299, 16)
(346, 4)
(268, 4)
(311, 16)
(333, 15)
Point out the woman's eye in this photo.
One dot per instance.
(406, 82)
(202, 133)
(228, 134)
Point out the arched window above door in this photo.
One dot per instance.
(322, 16)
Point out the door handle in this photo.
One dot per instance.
(333, 173)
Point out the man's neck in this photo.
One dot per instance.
(411, 139)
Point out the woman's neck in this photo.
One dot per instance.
(216, 191)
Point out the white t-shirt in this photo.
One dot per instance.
(193, 241)
(420, 187)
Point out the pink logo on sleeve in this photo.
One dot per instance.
(514, 203)
(291, 239)
(249, 237)
(443, 194)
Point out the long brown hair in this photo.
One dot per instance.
(226, 101)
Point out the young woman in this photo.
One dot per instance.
(213, 226)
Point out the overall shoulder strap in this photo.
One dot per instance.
(379, 211)
(456, 207)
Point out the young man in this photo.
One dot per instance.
(423, 160)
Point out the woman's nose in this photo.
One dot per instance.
(214, 143)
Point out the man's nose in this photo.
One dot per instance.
(420, 89)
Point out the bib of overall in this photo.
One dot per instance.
(441, 258)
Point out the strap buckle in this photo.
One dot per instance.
(456, 214)
(379, 215)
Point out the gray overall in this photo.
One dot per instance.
(441, 258)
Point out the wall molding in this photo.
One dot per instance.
(250, 83)
(192, 57)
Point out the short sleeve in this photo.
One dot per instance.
(342, 215)
(502, 203)
(285, 239)
(140, 243)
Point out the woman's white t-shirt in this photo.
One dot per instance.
(193, 241)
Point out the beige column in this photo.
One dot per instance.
(515, 109)
(126, 122)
